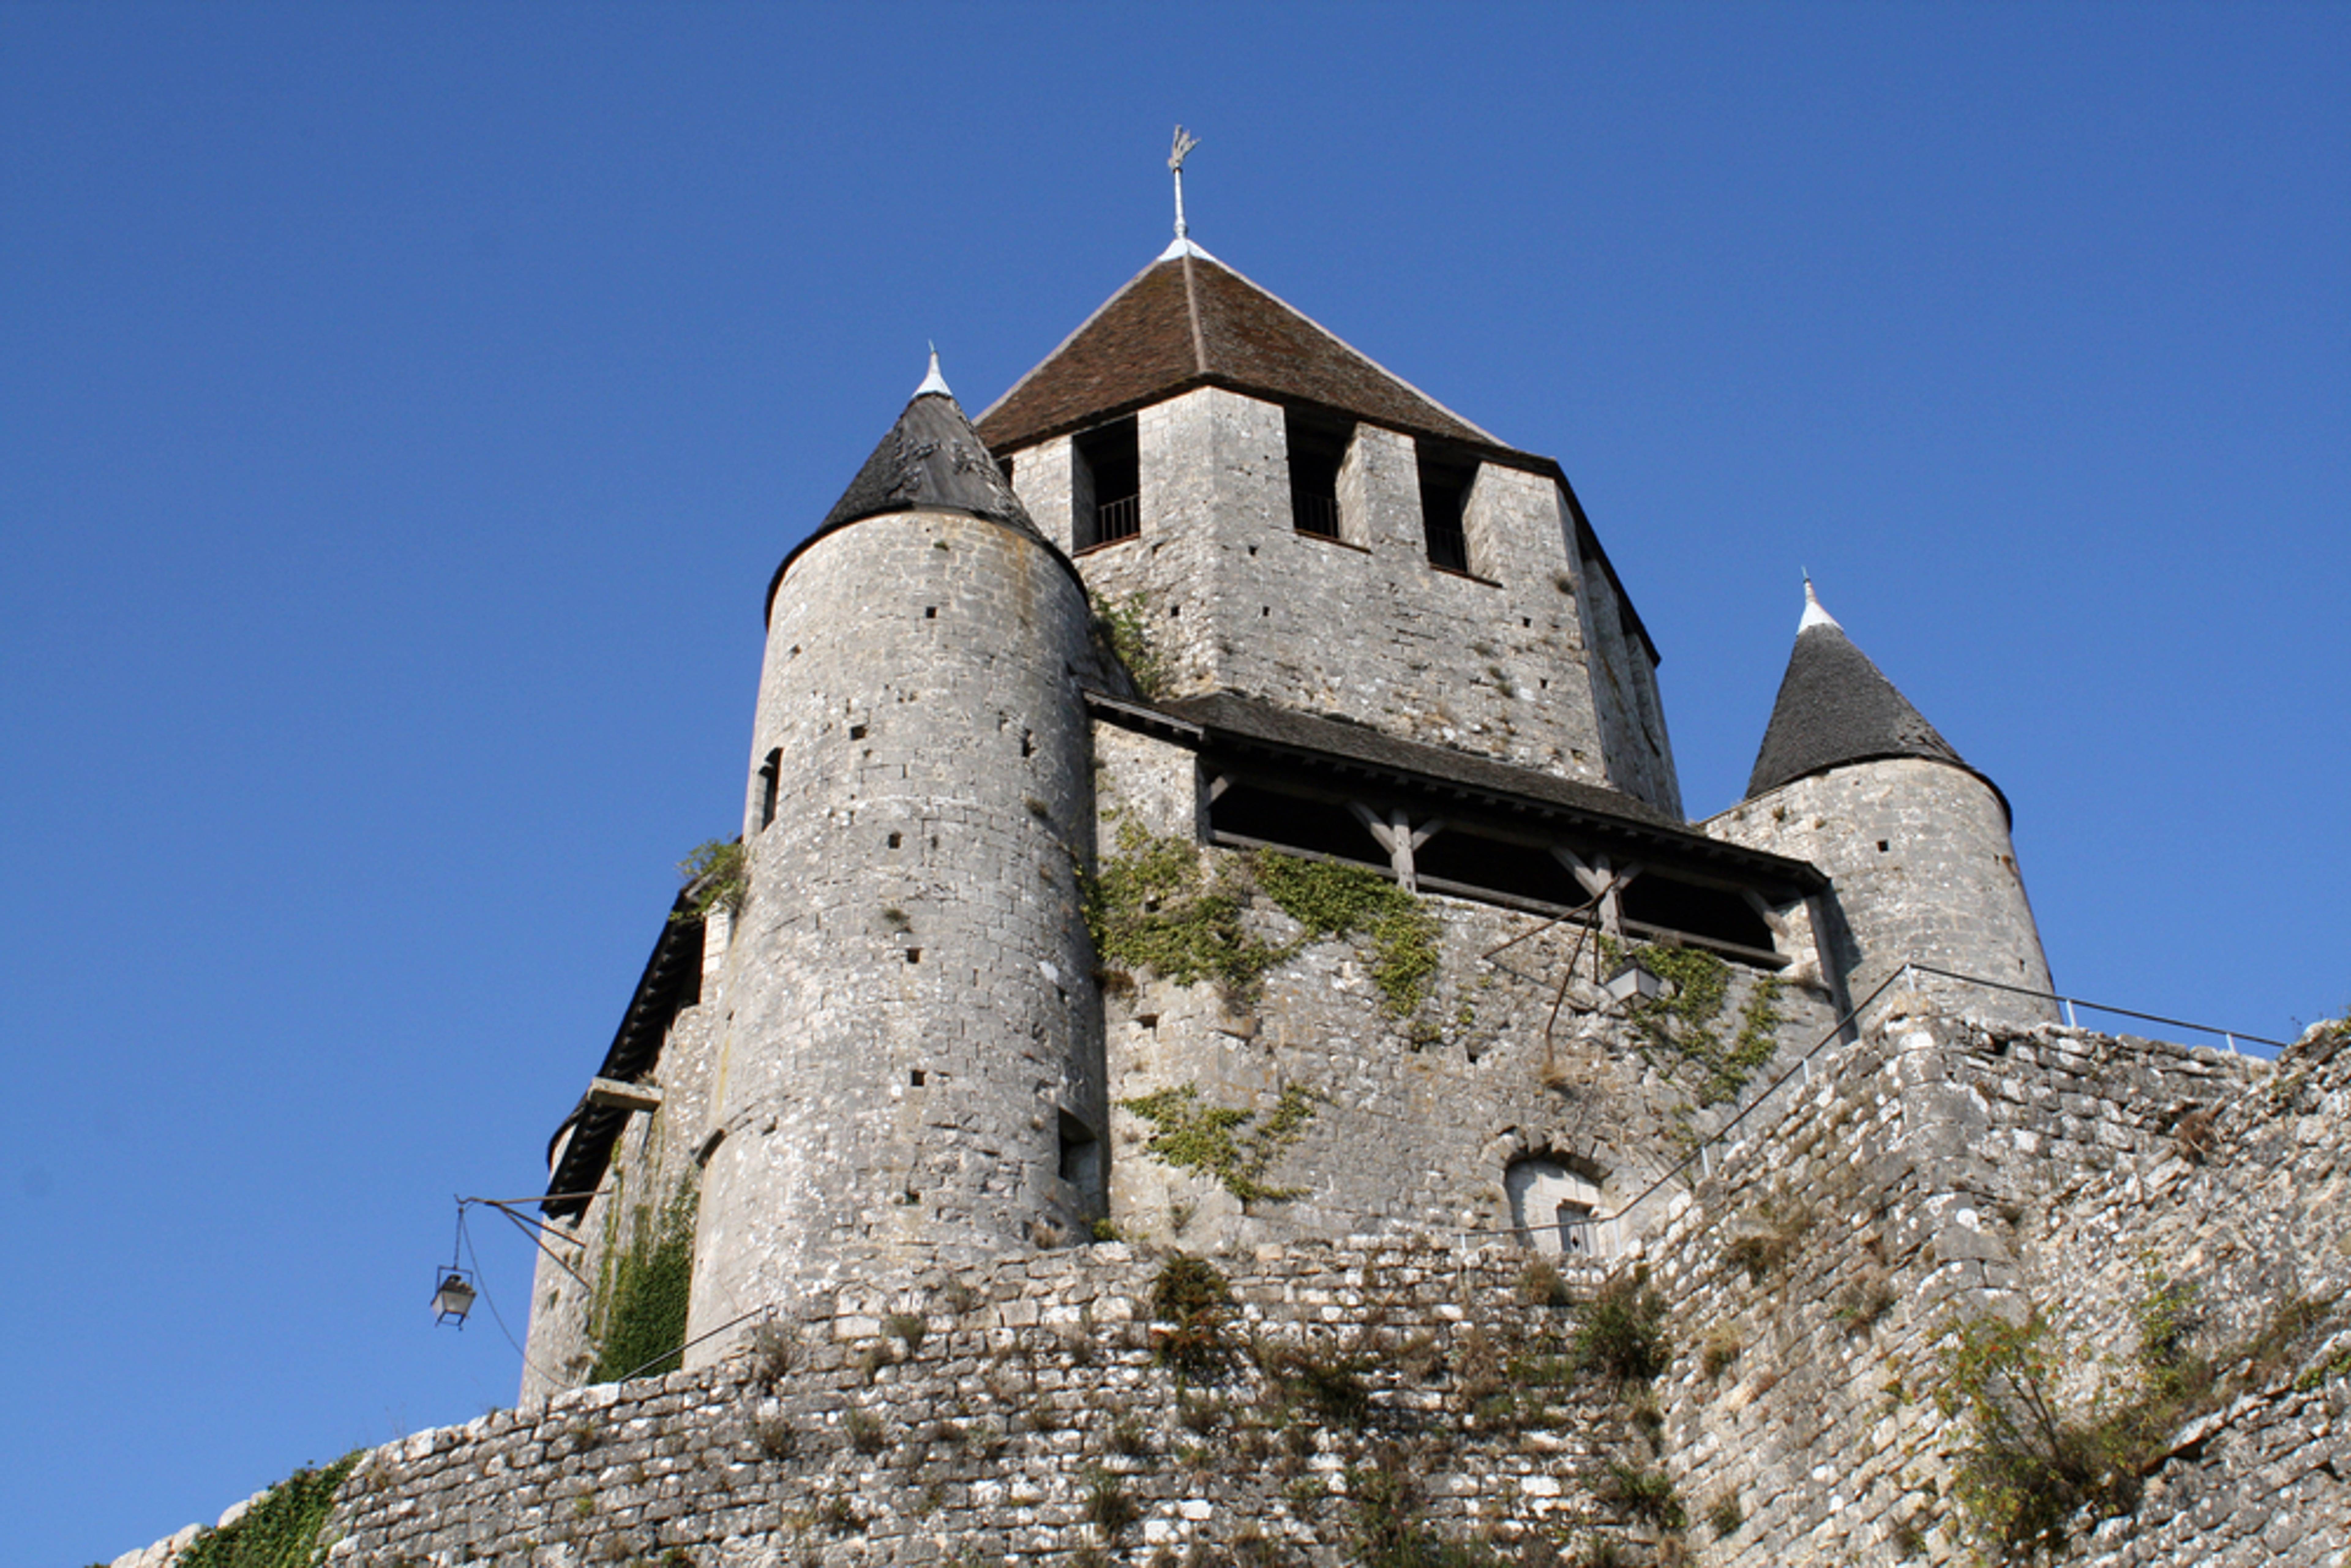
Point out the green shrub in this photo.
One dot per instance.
(1192, 1298)
(1621, 1333)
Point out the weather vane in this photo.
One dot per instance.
(1185, 142)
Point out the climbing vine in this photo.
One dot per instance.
(1156, 904)
(1230, 1143)
(1686, 1022)
(1332, 900)
(718, 875)
(1125, 624)
(281, 1529)
(641, 1296)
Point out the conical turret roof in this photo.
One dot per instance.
(932, 459)
(1836, 707)
(1187, 320)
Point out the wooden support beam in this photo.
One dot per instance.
(627, 1096)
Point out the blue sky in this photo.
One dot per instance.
(401, 409)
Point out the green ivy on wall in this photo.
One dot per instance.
(1125, 624)
(1223, 1141)
(1159, 904)
(1687, 1023)
(1156, 904)
(639, 1313)
(281, 1529)
(1332, 900)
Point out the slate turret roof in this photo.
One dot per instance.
(1189, 320)
(1836, 707)
(932, 459)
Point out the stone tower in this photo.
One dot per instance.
(911, 1062)
(1234, 472)
(1915, 844)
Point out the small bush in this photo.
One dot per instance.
(1646, 1495)
(1864, 1303)
(1192, 1298)
(1621, 1336)
(840, 1516)
(1128, 1438)
(1719, 1351)
(1724, 1516)
(865, 1430)
(1107, 1507)
(1542, 1285)
(771, 1350)
(1333, 1386)
(907, 1328)
(776, 1437)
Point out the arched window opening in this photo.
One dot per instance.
(1552, 1208)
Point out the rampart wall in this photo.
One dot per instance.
(1950, 1168)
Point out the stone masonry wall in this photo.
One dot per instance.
(1924, 872)
(1945, 1168)
(1414, 1118)
(1497, 662)
(1015, 1413)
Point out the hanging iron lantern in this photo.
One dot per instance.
(453, 1298)
(1630, 980)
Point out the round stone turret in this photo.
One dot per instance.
(911, 1065)
(1852, 778)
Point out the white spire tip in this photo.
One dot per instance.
(934, 383)
(1813, 614)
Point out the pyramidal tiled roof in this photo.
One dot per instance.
(1186, 321)
(930, 459)
(1837, 707)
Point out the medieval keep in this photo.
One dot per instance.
(1204, 802)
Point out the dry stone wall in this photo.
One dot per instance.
(1017, 1413)
(1945, 1168)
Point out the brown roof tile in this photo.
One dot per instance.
(1188, 320)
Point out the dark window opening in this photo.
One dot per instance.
(1656, 900)
(895, 839)
(856, 732)
(1881, 846)
(915, 1078)
(1081, 1162)
(1318, 448)
(1444, 509)
(914, 954)
(1005, 463)
(771, 773)
(1323, 827)
(1109, 484)
(1518, 871)
(930, 612)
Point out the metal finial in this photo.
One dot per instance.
(934, 383)
(1185, 142)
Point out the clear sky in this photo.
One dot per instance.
(403, 407)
